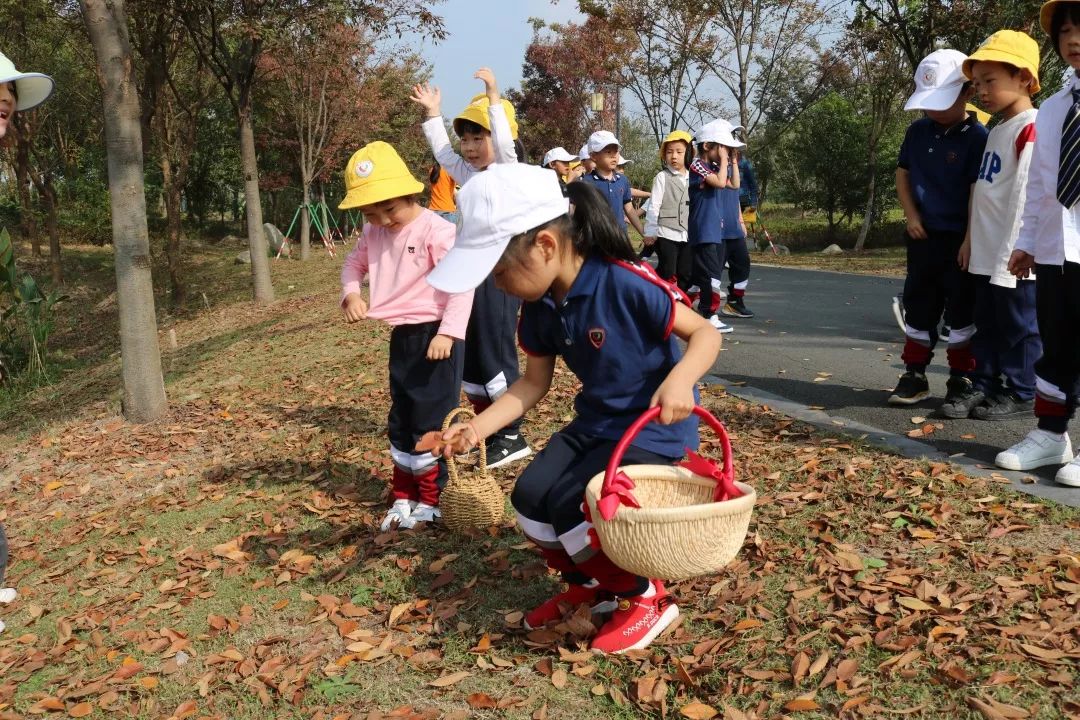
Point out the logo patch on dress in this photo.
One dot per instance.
(596, 337)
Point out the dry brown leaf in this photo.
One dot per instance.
(819, 664)
(799, 666)
(451, 679)
(698, 711)
(985, 709)
(558, 679)
(49, 704)
(731, 713)
(1042, 653)
(801, 703)
(481, 701)
(913, 603)
(81, 710)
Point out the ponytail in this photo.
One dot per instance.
(594, 229)
(436, 171)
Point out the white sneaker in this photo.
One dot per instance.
(8, 595)
(1039, 448)
(424, 513)
(1069, 474)
(398, 515)
(719, 324)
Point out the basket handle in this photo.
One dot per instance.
(617, 486)
(451, 464)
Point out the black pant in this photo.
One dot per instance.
(708, 271)
(422, 393)
(1057, 301)
(738, 263)
(936, 284)
(1006, 343)
(676, 261)
(491, 359)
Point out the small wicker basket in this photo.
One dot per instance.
(470, 502)
(670, 522)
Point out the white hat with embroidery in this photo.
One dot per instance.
(938, 81)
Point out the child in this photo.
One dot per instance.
(604, 152)
(615, 324)
(19, 91)
(559, 160)
(710, 172)
(669, 211)
(1005, 70)
(487, 131)
(443, 187)
(938, 164)
(400, 244)
(587, 165)
(735, 251)
(1049, 243)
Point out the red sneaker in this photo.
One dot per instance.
(636, 622)
(570, 597)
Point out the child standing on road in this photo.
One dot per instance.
(938, 164)
(19, 92)
(735, 251)
(400, 244)
(615, 325)
(1005, 70)
(487, 130)
(1049, 244)
(668, 218)
(710, 172)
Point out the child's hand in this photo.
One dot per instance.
(649, 240)
(490, 87)
(676, 402)
(1021, 264)
(428, 97)
(915, 229)
(459, 438)
(439, 348)
(354, 307)
(964, 256)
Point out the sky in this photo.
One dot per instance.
(491, 33)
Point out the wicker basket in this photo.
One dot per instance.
(475, 502)
(666, 522)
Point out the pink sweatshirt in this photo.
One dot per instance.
(398, 263)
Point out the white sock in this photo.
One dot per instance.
(1057, 437)
(650, 592)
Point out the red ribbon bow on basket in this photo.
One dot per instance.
(618, 494)
(725, 483)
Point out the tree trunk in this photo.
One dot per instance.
(305, 223)
(260, 263)
(52, 224)
(27, 224)
(173, 233)
(140, 356)
(868, 218)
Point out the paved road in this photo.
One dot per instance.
(828, 344)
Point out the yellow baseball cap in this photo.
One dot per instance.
(676, 135)
(1011, 47)
(376, 173)
(477, 111)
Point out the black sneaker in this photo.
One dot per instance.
(1002, 407)
(961, 397)
(911, 389)
(503, 449)
(735, 307)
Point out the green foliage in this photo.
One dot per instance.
(27, 322)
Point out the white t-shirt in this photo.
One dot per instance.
(998, 197)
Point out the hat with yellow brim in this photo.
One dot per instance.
(979, 114)
(477, 112)
(1046, 14)
(376, 173)
(676, 135)
(1010, 47)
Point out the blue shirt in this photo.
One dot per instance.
(731, 212)
(706, 224)
(614, 332)
(616, 190)
(943, 164)
(748, 187)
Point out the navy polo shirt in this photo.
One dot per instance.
(616, 190)
(731, 212)
(943, 164)
(614, 332)
(706, 223)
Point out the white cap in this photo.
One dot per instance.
(32, 89)
(583, 154)
(622, 160)
(602, 139)
(719, 131)
(505, 200)
(938, 80)
(557, 153)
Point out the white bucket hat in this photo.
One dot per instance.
(32, 89)
(719, 131)
(504, 201)
(938, 80)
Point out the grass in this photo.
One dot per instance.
(130, 541)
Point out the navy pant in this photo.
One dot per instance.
(1057, 383)
(422, 394)
(936, 284)
(738, 263)
(549, 499)
(676, 261)
(1006, 343)
(708, 270)
(491, 359)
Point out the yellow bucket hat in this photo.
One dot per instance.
(1012, 48)
(1046, 14)
(376, 173)
(980, 114)
(477, 111)
(676, 135)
